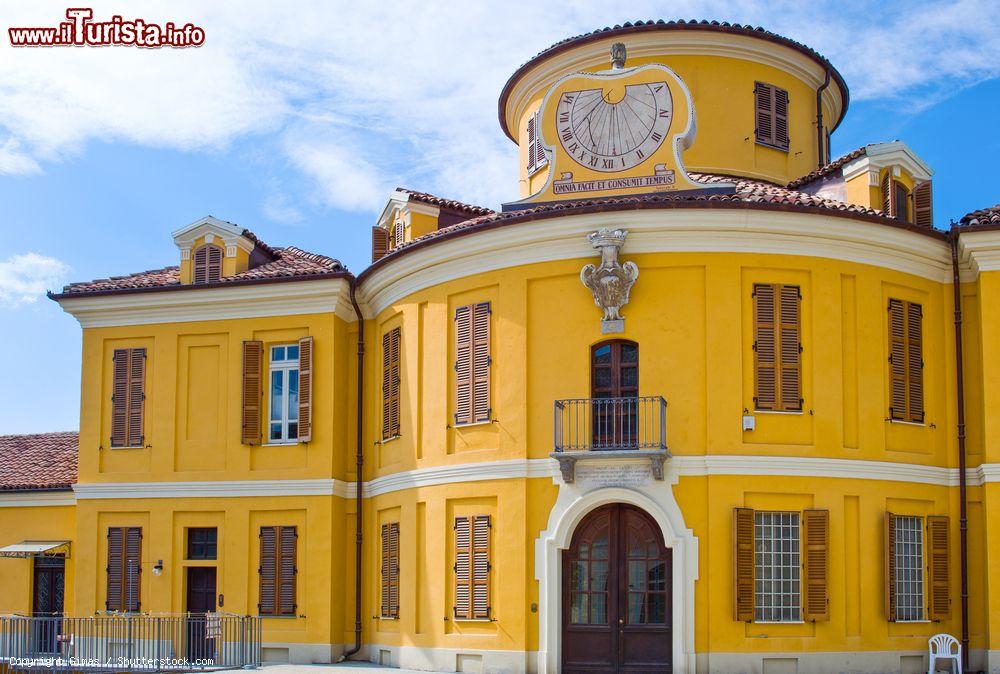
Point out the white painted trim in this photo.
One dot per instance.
(211, 489)
(428, 659)
(571, 506)
(463, 472)
(897, 154)
(682, 466)
(31, 499)
(594, 55)
(978, 252)
(209, 227)
(289, 298)
(659, 231)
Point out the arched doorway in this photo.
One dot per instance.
(617, 594)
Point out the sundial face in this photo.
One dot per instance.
(610, 136)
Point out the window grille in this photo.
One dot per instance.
(909, 568)
(778, 565)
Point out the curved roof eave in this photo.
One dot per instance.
(646, 26)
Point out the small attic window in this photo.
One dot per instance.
(207, 264)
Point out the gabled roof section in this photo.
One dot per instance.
(403, 197)
(228, 232)
(38, 462)
(289, 263)
(871, 157)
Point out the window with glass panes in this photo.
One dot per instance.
(202, 543)
(777, 565)
(909, 546)
(283, 396)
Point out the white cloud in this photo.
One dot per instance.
(360, 96)
(25, 278)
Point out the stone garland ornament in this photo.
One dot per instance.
(611, 280)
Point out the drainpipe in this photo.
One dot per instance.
(359, 477)
(963, 515)
(820, 155)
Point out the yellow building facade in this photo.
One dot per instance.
(694, 402)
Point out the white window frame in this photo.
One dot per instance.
(289, 412)
(777, 539)
(910, 555)
(534, 140)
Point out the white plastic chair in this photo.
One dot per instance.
(940, 647)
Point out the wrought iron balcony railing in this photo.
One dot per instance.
(130, 642)
(592, 428)
(601, 424)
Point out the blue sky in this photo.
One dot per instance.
(298, 122)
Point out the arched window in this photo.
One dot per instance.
(614, 388)
(207, 262)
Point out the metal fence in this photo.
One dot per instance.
(596, 424)
(129, 642)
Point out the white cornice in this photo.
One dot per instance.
(978, 252)
(659, 231)
(881, 155)
(400, 200)
(28, 499)
(211, 489)
(682, 466)
(593, 55)
(231, 235)
(257, 300)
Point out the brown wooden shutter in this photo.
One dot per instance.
(780, 118)
(207, 264)
(789, 349)
(136, 396)
(267, 571)
(888, 194)
(463, 365)
(119, 398)
(481, 567)
(938, 568)
(390, 570)
(390, 383)
(923, 205)
(287, 569)
(906, 361)
(743, 564)
(815, 545)
(253, 393)
(897, 360)
(764, 113)
(463, 568)
(128, 399)
(481, 362)
(115, 569)
(890, 567)
(765, 348)
(914, 362)
(380, 243)
(305, 389)
(133, 569)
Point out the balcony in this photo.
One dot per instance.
(130, 642)
(610, 428)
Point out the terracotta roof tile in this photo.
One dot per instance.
(289, 262)
(829, 168)
(984, 217)
(748, 193)
(40, 461)
(441, 202)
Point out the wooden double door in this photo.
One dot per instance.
(617, 595)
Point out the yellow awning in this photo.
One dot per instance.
(35, 549)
